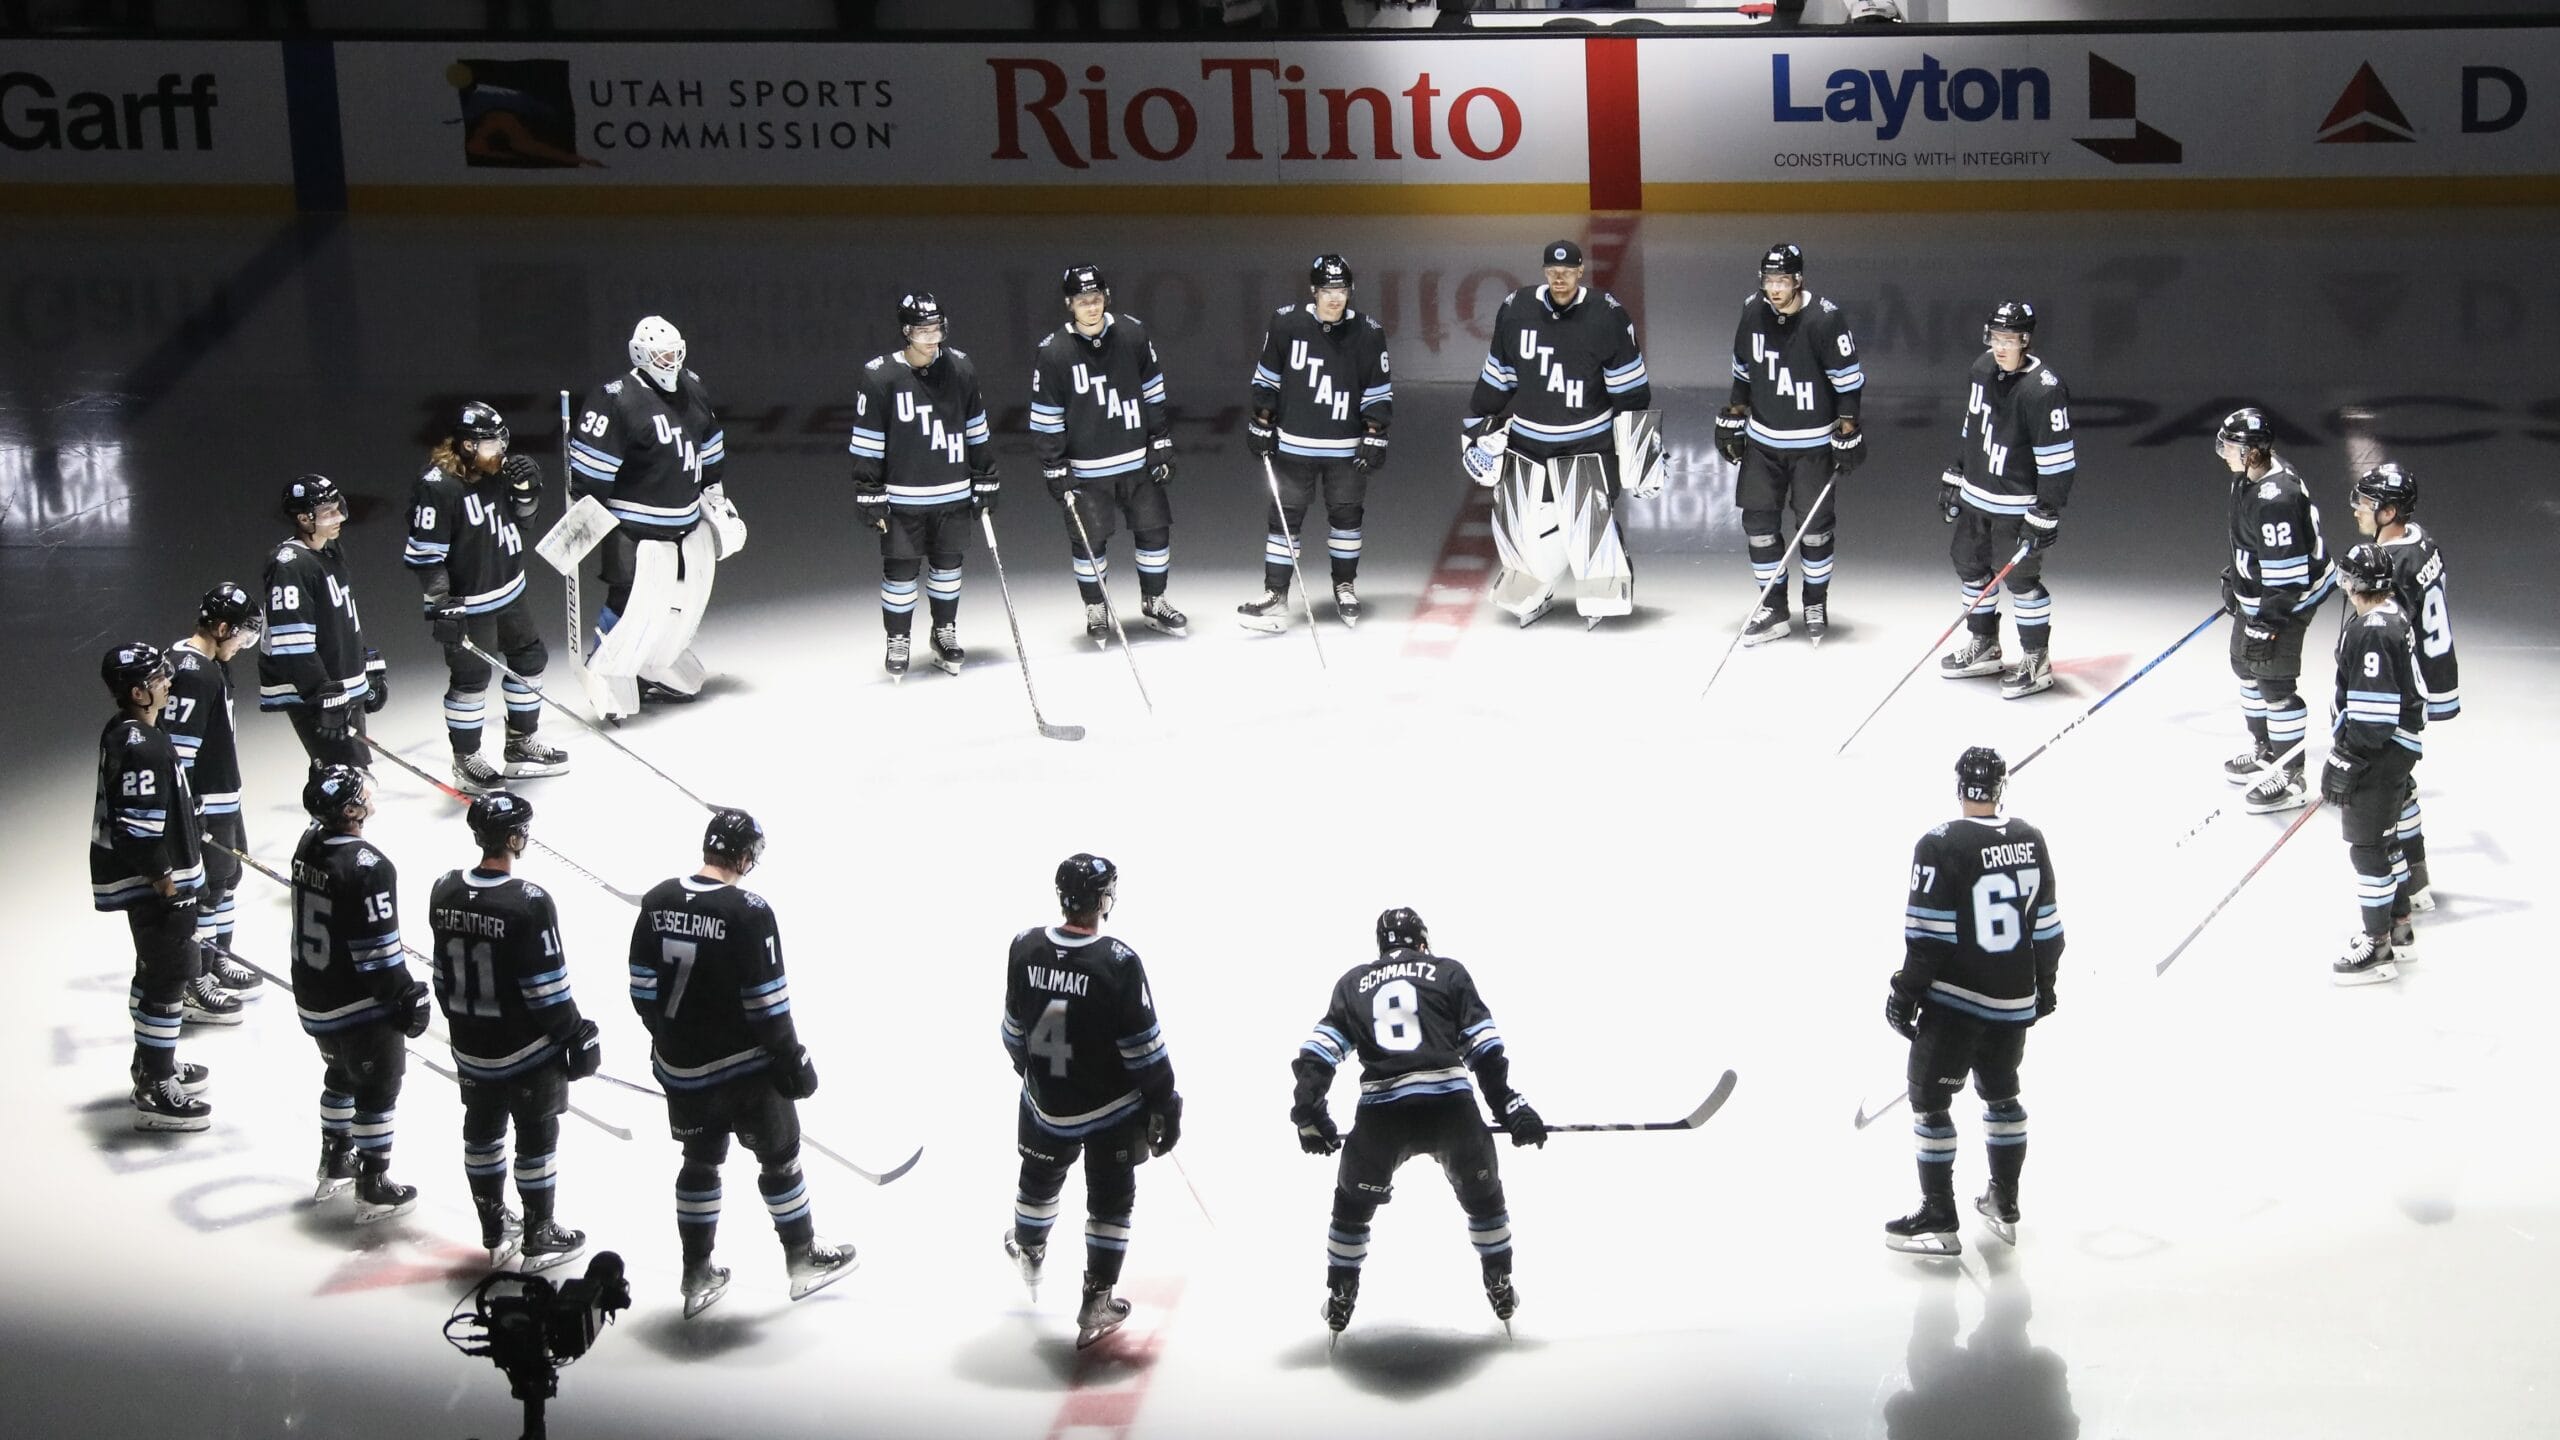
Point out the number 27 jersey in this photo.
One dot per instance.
(1416, 1022)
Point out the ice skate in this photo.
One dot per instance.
(1504, 1299)
(1346, 603)
(528, 757)
(1339, 1297)
(654, 693)
(337, 1169)
(2281, 790)
(2246, 767)
(704, 1283)
(1929, 1230)
(895, 661)
(550, 1243)
(1027, 1259)
(2033, 675)
(1817, 620)
(2404, 939)
(501, 1233)
(475, 776)
(1097, 624)
(380, 1198)
(194, 1080)
(1099, 1315)
(2421, 898)
(2000, 1212)
(2368, 961)
(1160, 616)
(243, 982)
(1270, 614)
(165, 1105)
(1973, 657)
(817, 1265)
(207, 1003)
(1766, 624)
(948, 656)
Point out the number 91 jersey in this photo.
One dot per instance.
(1416, 1022)
(1983, 928)
(1080, 1025)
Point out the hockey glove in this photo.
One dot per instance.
(444, 621)
(1316, 1134)
(1160, 459)
(1371, 456)
(1848, 448)
(1903, 1015)
(2257, 641)
(2043, 527)
(2046, 1004)
(377, 676)
(1260, 436)
(1164, 1126)
(583, 1055)
(795, 1076)
(333, 724)
(2338, 778)
(1521, 1119)
(1482, 453)
(1729, 432)
(524, 483)
(1053, 473)
(1950, 494)
(422, 1008)
(2230, 596)
(982, 492)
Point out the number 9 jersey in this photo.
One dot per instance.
(1982, 933)
(1080, 1025)
(1416, 1022)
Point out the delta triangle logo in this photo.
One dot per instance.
(2366, 114)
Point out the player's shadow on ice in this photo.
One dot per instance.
(1995, 1382)
(707, 1336)
(1402, 1363)
(1003, 1359)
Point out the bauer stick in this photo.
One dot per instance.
(2023, 547)
(616, 891)
(2256, 776)
(987, 522)
(2233, 893)
(1706, 1111)
(1781, 573)
(2121, 686)
(1305, 600)
(494, 663)
(1110, 611)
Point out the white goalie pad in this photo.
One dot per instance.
(1603, 582)
(728, 531)
(578, 532)
(1638, 434)
(1529, 535)
(653, 639)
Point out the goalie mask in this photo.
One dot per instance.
(657, 351)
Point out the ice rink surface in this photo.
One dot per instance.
(2256, 1205)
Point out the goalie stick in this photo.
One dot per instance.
(1706, 1111)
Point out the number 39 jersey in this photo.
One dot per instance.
(501, 976)
(706, 977)
(347, 967)
(648, 454)
(1983, 929)
(1416, 1022)
(1080, 1025)
(2417, 567)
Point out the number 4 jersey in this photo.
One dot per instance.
(1417, 1024)
(1080, 1025)
(1982, 934)
(501, 977)
(347, 966)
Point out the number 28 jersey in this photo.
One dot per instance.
(1416, 1022)
(1080, 1025)
(1983, 929)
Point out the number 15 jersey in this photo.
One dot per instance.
(1080, 1025)
(1416, 1022)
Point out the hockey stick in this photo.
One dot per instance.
(494, 663)
(1868, 1117)
(1110, 611)
(1305, 600)
(616, 891)
(2229, 895)
(1758, 600)
(874, 1176)
(577, 640)
(1706, 1111)
(2023, 547)
(2121, 686)
(2255, 778)
(987, 522)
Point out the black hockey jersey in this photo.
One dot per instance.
(313, 646)
(1081, 1028)
(198, 723)
(1797, 373)
(2418, 568)
(648, 454)
(501, 976)
(144, 823)
(1982, 931)
(919, 436)
(2279, 566)
(348, 968)
(2015, 450)
(464, 543)
(1325, 385)
(1418, 1026)
(2377, 702)
(1098, 403)
(1562, 373)
(706, 977)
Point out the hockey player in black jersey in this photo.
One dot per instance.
(2012, 476)
(1564, 367)
(707, 979)
(1320, 403)
(2278, 578)
(146, 859)
(352, 987)
(2373, 748)
(648, 444)
(923, 470)
(467, 552)
(313, 663)
(1416, 1022)
(1982, 939)
(1080, 1027)
(2385, 500)
(1791, 424)
(198, 721)
(518, 1040)
(1104, 437)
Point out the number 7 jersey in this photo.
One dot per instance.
(1080, 1024)
(1416, 1022)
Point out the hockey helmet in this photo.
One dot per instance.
(2365, 570)
(2247, 428)
(734, 835)
(2012, 315)
(657, 351)
(1783, 258)
(2389, 485)
(1087, 884)
(476, 423)
(228, 604)
(1981, 775)
(132, 666)
(306, 494)
(495, 816)
(918, 309)
(1328, 271)
(1083, 280)
(1402, 929)
(330, 790)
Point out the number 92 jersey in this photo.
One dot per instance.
(1416, 1022)
(1982, 934)
(1080, 1024)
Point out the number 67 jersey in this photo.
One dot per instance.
(1080, 1024)
(1982, 933)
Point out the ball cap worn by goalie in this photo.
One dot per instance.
(132, 666)
(1980, 775)
(1562, 252)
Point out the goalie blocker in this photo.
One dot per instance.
(670, 589)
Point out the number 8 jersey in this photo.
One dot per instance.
(1080, 1025)
(1416, 1022)
(1982, 934)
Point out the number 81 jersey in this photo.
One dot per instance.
(1080, 1024)
(1983, 927)
(1416, 1022)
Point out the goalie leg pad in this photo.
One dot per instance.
(1529, 535)
(670, 660)
(1640, 450)
(1604, 581)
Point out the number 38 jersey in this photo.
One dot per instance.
(1081, 1027)
(1983, 929)
(501, 977)
(1416, 1022)
(706, 977)
(347, 966)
